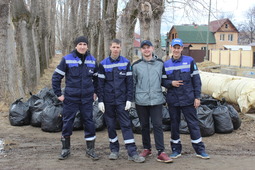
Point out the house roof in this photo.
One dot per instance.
(137, 36)
(194, 34)
(217, 24)
(136, 44)
(237, 47)
(252, 44)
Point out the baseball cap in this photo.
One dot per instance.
(146, 42)
(176, 41)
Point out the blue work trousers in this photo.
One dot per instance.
(190, 115)
(112, 113)
(69, 111)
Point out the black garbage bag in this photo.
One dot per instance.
(136, 126)
(205, 119)
(36, 112)
(135, 123)
(165, 116)
(183, 125)
(42, 92)
(19, 114)
(222, 120)
(132, 113)
(234, 116)
(31, 101)
(98, 117)
(51, 119)
(209, 102)
(77, 125)
(166, 127)
(49, 97)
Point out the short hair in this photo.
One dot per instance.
(117, 41)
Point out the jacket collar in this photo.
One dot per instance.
(154, 58)
(116, 60)
(176, 60)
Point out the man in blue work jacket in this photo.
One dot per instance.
(115, 94)
(183, 85)
(80, 71)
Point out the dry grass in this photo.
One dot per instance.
(45, 81)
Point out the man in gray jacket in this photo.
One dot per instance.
(147, 74)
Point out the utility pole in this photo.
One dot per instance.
(208, 30)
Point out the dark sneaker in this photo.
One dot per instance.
(203, 155)
(114, 155)
(163, 157)
(145, 153)
(136, 158)
(175, 155)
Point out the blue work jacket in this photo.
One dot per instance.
(80, 78)
(184, 69)
(115, 81)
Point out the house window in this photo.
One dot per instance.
(230, 37)
(136, 51)
(226, 25)
(222, 37)
(203, 48)
(172, 36)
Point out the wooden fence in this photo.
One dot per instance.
(238, 58)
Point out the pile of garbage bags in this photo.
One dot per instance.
(44, 110)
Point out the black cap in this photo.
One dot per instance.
(81, 39)
(146, 42)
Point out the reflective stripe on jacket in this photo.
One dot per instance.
(80, 79)
(184, 69)
(115, 81)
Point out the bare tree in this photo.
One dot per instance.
(247, 28)
(28, 45)
(128, 21)
(150, 13)
(10, 75)
(94, 26)
(109, 23)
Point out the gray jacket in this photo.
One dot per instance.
(147, 77)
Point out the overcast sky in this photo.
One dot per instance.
(226, 8)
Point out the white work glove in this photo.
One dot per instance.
(101, 106)
(128, 105)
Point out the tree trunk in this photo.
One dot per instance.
(23, 45)
(10, 74)
(150, 22)
(25, 48)
(109, 23)
(94, 24)
(128, 22)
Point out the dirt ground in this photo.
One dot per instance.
(28, 147)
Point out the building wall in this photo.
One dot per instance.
(199, 46)
(220, 43)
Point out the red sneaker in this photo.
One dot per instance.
(163, 157)
(145, 153)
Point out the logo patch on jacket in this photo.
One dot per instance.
(184, 63)
(91, 71)
(123, 74)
